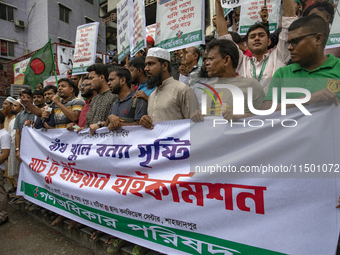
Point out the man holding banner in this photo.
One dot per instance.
(264, 63)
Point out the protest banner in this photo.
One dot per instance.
(85, 48)
(250, 14)
(124, 27)
(180, 24)
(19, 71)
(138, 39)
(65, 58)
(334, 35)
(136, 184)
(151, 31)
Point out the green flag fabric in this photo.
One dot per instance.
(40, 66)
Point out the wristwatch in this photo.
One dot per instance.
(99, 123)
(17, 149)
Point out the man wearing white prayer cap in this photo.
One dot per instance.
(6, 108)
(171, 100)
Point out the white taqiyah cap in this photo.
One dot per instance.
(10, 99)
(159, 53)
(19, 101)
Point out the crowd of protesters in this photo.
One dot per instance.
(156, 85)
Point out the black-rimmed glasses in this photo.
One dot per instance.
(295, 41)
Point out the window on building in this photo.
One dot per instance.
(7, 48)
(65, 41)
(6, 12)
(88, 20)
(64, 13)
(90, 1)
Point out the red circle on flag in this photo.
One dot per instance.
(37, 66)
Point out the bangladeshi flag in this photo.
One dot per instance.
(40, 66)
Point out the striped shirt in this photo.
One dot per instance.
(60, 119)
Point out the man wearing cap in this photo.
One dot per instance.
(171, 100)
(149, 43)
(13, 163)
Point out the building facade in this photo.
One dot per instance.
(27, 25)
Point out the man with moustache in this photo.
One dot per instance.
(89, 94)
(6, 109)
(49, 91)
(171, 100)
(13, 163)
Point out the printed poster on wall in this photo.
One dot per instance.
(86, 46)
(124, 23)
(65, 58)
(180, 24)
(250, 14)
(138, 39)
(334, 35)
(19, 71)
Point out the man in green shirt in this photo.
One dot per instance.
(312, 70)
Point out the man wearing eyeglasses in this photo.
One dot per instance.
(263, 63)
(318, 73)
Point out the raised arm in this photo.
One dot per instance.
(221, 25)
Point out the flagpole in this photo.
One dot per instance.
(55, 69)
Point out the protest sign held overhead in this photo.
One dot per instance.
(334, 35)
(151, 31)
(124, 25)
(19, 71)
(250, 14)
(65, 58)
(180, 24)
(138, 41)
(86, 46)
(234, 3)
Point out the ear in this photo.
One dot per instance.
(165, 66)
(319, 39)
(227, 60)
(123, 80)
(328, 18)
(269, 41)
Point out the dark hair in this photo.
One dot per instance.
(256, 26)
(322, 7)
(71, 84)
(225, 48)
(27, 91)
(208, 39)
(311, 24)
(48, 87)
(2, 118)
(99, 69)
(98, 61)
(138, 63)
(160, 60)
(38, 92)
(123, 72)
(236, 37)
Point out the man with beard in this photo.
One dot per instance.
(100, 104)
(136, 67)
(171, 100)
(13, 163)
(6, 109)
(263, 63)
(126, 110)
(89, 94)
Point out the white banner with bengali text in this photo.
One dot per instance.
(250, 15)
(136, 184)
(151, 30)
(124, 27)
(138, 39)
(180, 24)
(85, 48)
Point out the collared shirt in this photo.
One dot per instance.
(144, 87)
(100, 107)
(73, 104)
(325, 76)
(172, 100)
(277, 57)
(21, 118)
(192, 77)
(123, 108)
